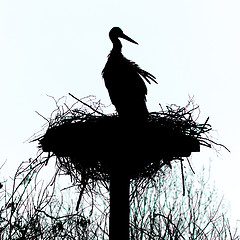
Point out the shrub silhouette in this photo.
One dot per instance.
(34, 211)
(158, 212)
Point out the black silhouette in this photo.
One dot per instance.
(124, 80)
(122, 152)
(93, 147)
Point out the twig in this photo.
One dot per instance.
(169, 220)
(190, 165)
(42, 116)
(183, 182)
(86, 105)
(203, 127)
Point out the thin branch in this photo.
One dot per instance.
(87, 105)
(42, 116)
(183, 181)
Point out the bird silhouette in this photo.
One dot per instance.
(124, 80)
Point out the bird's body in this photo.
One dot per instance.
(124, 80)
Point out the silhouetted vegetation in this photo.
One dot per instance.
(34, 209)
(31, 209)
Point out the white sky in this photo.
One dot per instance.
(55, 47)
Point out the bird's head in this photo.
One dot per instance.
(116, 33)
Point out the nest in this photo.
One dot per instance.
(92, 145)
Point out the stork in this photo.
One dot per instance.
(124, 80)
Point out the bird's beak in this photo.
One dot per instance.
(128, 38)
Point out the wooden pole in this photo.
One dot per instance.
(119, 205)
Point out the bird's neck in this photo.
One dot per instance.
(117, 46)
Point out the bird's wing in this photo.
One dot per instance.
(148, 77)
